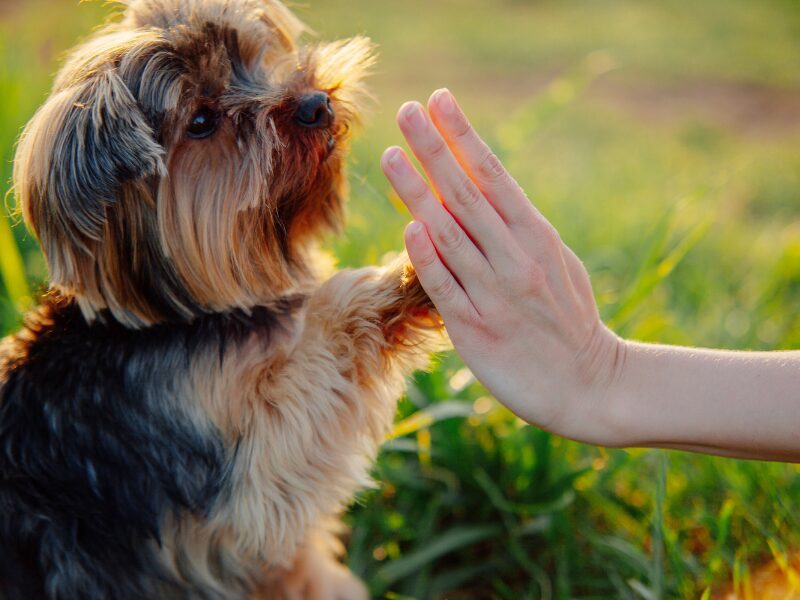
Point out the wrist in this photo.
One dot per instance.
(635, 414)
(612, 405)
(593, 417)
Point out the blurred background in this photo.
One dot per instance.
(662, 138)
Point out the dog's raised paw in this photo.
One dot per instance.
(315, 575)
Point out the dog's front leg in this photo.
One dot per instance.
(315, 574)
(321, 412)
(384, 312)
(373, 327)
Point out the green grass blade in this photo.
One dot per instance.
(642, 590)
(12, 269)
(449, 541)
(657, 574)
(426, 417)
(499, 501)
(623, 550)
(454, 578)
(650, 276)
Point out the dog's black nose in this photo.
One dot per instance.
(315, 111)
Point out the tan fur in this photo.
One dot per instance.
(138, 219)
(315, 574)
(316, 405)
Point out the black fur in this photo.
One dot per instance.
(104, 141)
(99, 443)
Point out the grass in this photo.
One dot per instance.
(686, 213)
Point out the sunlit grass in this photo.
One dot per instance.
(688, 223)
(11, 267)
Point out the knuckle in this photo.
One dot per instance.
(490, 333)
(533, 279)
(417, 192)
(451, 236)
(490, 169)
(461, 128)
(551, 240)
(467, 195)
(427, 260)
(436, 148)
(482, 326)
(529, 219)
(444, 288)
(477, 325)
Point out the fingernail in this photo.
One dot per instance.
(445, 101)
(416, 119)
(414, 228)
(395, 159)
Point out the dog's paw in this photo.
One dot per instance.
(414, 296)
(341, 584)
(411, 321)
(315, 575)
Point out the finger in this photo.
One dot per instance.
(457, 191)
(534, 235)
(438, 282)
(460, 255)
(480, 162)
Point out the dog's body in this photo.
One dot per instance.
(193, 402)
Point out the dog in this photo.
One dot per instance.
(198, 395)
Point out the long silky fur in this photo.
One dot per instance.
(194, 402)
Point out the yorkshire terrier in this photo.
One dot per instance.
(196, 398)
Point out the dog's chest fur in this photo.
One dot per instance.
(111, 456)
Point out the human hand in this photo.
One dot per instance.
(516, 301)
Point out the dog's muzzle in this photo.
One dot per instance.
(315, 111)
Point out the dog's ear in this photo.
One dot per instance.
(88, 139)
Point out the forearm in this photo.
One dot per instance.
(738, 404)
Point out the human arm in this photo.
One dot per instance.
(519, 308)
(737, 404)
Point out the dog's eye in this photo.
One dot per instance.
(203, 123)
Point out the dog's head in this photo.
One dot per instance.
(188, 156)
